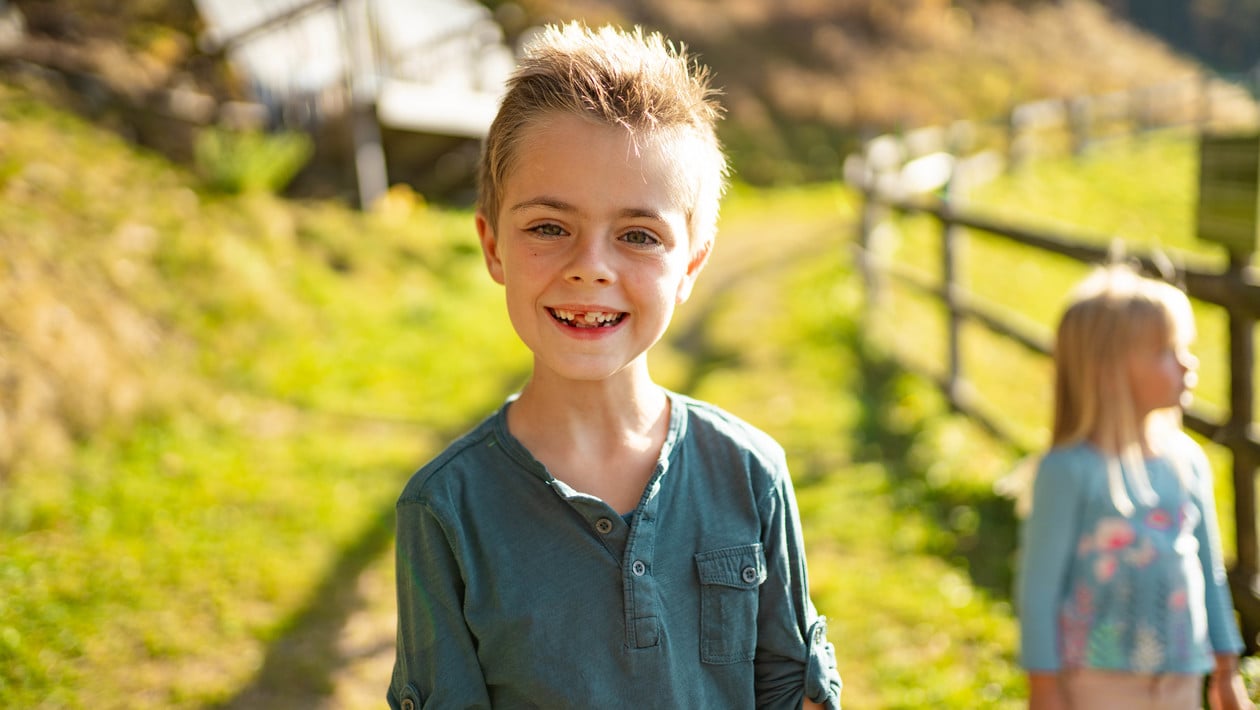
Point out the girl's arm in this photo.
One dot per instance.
(1225, 687)
(1222, 627)
(1049, 537)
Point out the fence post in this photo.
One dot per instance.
(1241, 396)
(1015, 139)
(371, 175)
(949, 276)
(880, 156)
(1080, 117)
(868, 223)
(1229, 192)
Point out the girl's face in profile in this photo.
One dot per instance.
(1161, 373)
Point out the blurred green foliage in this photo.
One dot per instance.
(236, 162)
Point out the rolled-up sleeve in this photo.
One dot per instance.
(436, 665)
(822, 678)
(794, 658)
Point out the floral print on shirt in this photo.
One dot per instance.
(1098, 628)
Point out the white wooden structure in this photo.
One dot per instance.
(430, 66)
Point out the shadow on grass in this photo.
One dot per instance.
(301, 664)
(977, 529)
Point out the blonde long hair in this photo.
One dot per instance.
(1110, 313)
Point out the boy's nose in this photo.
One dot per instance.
(589, 263)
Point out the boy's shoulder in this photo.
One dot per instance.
(712, 423)
(459, 454)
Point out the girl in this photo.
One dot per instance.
(1122, 593)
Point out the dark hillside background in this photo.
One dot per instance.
(1225, 34)
(804, 80)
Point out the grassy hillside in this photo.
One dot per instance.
(209, 404)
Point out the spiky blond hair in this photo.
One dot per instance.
(631, 79)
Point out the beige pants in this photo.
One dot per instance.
(1103, 690)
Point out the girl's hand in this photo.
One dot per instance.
(1045, 693)
(1225, 688)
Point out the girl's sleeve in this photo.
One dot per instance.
(794, 658)
(1048, 541)
(1222, 626)
(437, 664)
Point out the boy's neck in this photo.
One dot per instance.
(601, 438)
(602, 412)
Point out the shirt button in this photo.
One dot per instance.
(408, 704)
(604, 526)
(749, 574)
(638, 568)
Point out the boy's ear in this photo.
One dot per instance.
(694, 267)
(489, 247)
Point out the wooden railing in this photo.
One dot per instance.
(1235, 288)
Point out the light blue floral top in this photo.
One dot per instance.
(1144, 593)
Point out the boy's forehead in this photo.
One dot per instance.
(568, 150)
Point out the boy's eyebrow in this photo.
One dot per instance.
(561, 205)
(551, 202)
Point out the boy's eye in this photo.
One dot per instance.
(640, 237)
(548, 230)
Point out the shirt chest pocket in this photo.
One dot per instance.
(729, 580)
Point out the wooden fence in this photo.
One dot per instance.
(1236, 289)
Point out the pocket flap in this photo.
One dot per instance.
(742, 566)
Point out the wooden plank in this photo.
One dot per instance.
(972, 308)
(1242, 294)
(1229, 191)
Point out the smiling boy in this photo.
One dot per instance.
(600, 541)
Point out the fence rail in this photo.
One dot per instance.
(1236, 289)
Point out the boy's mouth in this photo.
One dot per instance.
(587, 319)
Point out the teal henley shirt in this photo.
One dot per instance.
(516, 591)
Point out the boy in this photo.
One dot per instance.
(600, 541)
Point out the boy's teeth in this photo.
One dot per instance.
(585, 317)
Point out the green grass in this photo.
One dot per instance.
(205, 521)
(237, 389)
